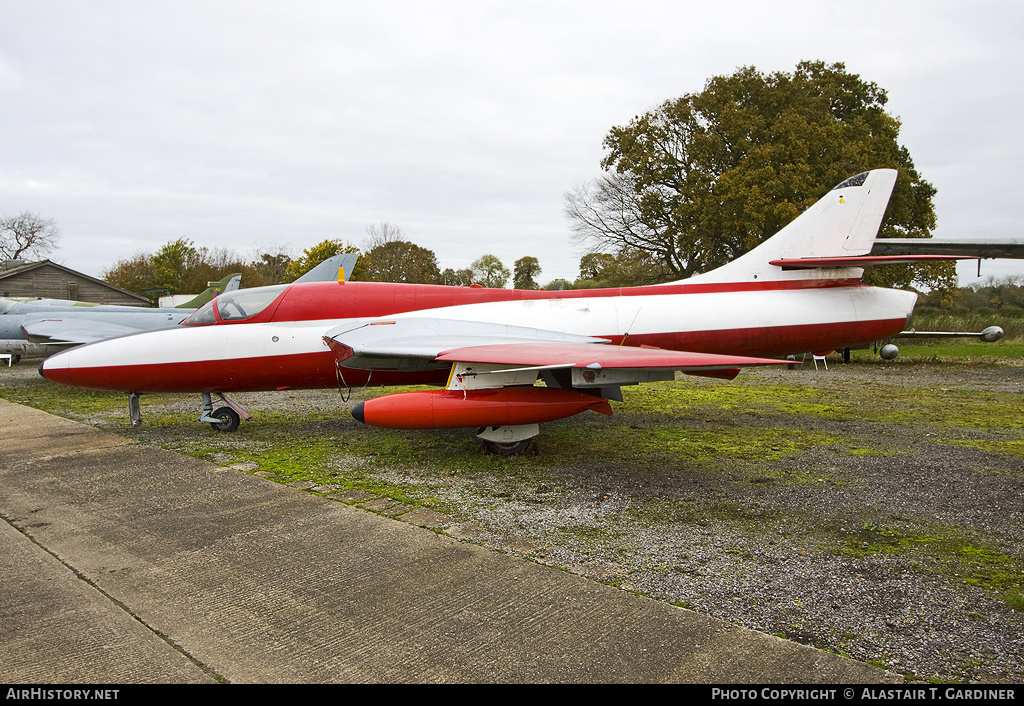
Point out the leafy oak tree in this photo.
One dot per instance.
(314, 255)
(401, 261)
(524, 272)
(628, 267)
(180, 267)
(457, 278)
(706, 177)
(488, 271)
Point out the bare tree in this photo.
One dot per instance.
(382, 233)
(607, 213)
(27, 235)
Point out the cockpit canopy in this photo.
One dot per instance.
(239, 305)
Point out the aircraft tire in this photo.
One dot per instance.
(229, 419)
(511, 449)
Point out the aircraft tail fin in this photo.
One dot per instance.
(327, 270)
(228, 284)
(843, 223)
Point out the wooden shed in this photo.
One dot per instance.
(48, 280)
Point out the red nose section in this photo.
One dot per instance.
(57, 373)
(447, 409)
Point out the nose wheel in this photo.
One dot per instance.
(223, 418)
(228, 417)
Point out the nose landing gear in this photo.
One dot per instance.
(223, 418)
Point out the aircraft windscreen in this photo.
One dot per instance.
(236, 306)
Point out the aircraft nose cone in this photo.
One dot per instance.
(56, 369)
(357, 412)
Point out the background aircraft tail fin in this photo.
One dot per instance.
(327, 270)
(228, 284)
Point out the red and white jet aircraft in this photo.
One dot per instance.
(798, 291)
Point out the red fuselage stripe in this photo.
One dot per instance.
(317, 370)
(314, 301)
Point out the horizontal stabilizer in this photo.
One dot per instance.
(991, 249)
(808, 263)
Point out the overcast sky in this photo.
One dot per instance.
(248, 125)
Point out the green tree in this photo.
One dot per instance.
(627, 268)
(173, 265)
(706, 177)
(525, 270)
(401, 261)
(489, 272)
(557, 284)
(134, 274)
(457, 278)
(272, 266)
(181, 268)
(313, 256)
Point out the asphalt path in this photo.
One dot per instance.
(126, 563)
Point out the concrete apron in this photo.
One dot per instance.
(124, 563)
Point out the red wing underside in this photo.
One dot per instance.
(587, 355)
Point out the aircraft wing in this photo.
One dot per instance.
(494, 370)
(412, 343)
(415, 343)
(72, 332)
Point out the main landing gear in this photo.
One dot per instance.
(510, 440)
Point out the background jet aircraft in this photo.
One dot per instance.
(46, 326)
(41, 327)
(488, 348)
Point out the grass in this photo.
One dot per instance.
(884, 405)
(952, 552)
